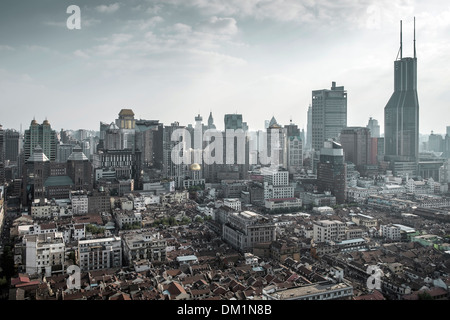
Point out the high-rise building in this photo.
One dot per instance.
(328, 114)
(35, 173)
(64, 150)
(234, 121)
(374, 128)
(149, 135)
(435, 142)
(112, 140)
(12, 145)
(172, 169)
(308, 144)
(40, 135)
(279, 149)
(294, 148)
(79, 169)
(126, 119)
(401, 115)
(332, 171)
(211, 124)
(356, 143)
(2, 155)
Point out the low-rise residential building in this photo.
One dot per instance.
(177, 197)
(234, 204)
(364, 220)
(100, 253)
(127, 218)
(244, 229)
(44, 253)
(144, 246)
(390, 232)
(317, 291)
(318, 199)
(283, 203)
(328, 230)
(79, 202)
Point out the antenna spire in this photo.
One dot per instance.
(401, 40)
(415, 56)
(400, 51)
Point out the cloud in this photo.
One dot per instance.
(6, 48)
(81, 54)
(85, 22)
(143, 24)
(108, 8)
(217, 25)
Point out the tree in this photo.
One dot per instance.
(424, 295)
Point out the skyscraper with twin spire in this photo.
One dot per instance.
(401, 114)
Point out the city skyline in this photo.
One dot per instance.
(173, 60)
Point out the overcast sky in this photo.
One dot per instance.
(170, 60)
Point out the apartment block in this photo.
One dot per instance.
(329, 230)
(101, 253)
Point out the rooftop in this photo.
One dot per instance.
(311, 290)
(58, 181)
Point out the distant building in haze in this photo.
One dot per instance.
(374, 128)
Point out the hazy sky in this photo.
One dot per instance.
(170, 60)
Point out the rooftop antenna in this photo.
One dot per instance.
(415, 37)
(401, 42)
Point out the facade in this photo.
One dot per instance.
(101, 253)
(329, 114)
